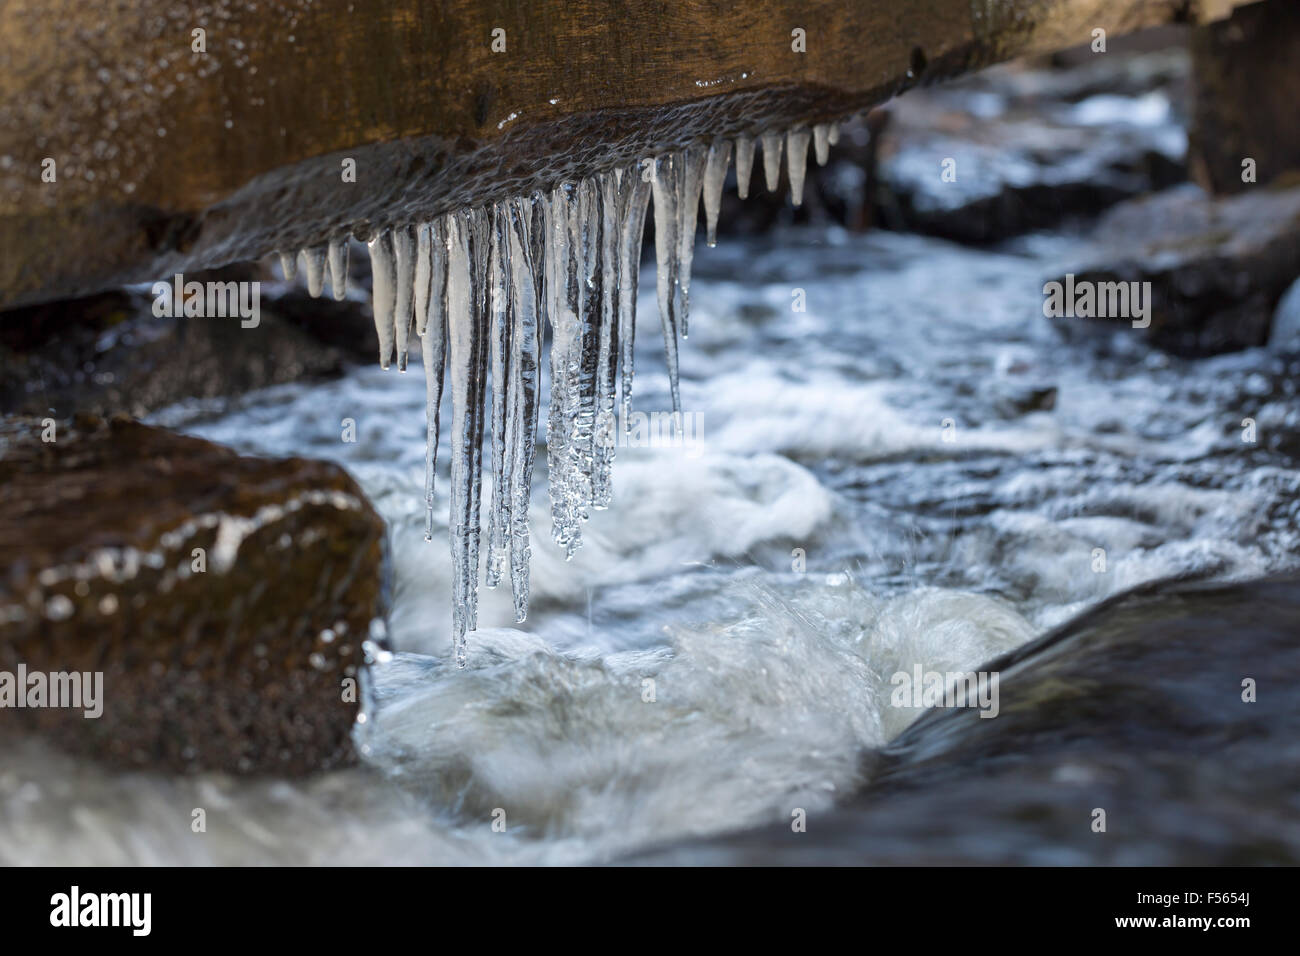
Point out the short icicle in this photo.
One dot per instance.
(772, 143)
(314, 260)
(822, 143)
(715, 174)
(744, 164)
(383, 271)
(288, 265)
(338, 261)
(797, 158)
(403, 305)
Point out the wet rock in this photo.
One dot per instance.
(109, 353)
(1135, 708)
(224, 598)
(1217, 267)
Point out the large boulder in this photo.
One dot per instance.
(1140, 708)
(1217, 266)
(223, 598)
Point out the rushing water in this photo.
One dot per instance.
(882, 479)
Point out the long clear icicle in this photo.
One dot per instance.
(664, 187)
(614, 192)
(715, 174)
(432, 327)
(466, 275)
(690, 177)
(637, 182)
(744, 164)
(563, 249)
(522, 404)
(500, 328)
(797, 157)
(383, 272)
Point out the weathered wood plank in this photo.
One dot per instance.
(169, 159)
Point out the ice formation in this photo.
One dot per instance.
(479, 286)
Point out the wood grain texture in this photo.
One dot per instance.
(168, 159)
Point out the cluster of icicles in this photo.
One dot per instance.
(477, 284)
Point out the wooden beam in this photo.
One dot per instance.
(170, 158)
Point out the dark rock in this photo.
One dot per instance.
(1136, 707)
(239, 666)
(1217, 267)
(109, 353)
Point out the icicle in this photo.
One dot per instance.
(833, 133)
(500, 327)
(664, 185)
(403, 307)
(637, 181)
(822, 143)
(314, 258)
(423, 275)
(715, 173)
(466, 277)
(772, 143)
(591, 295)
(432, 322)
(383, 270)
(338, 256)
(563, 253)
(744, 164)
(522, 404)
(797, 158)
(288, 265)
(615, 188)
(690, 175)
